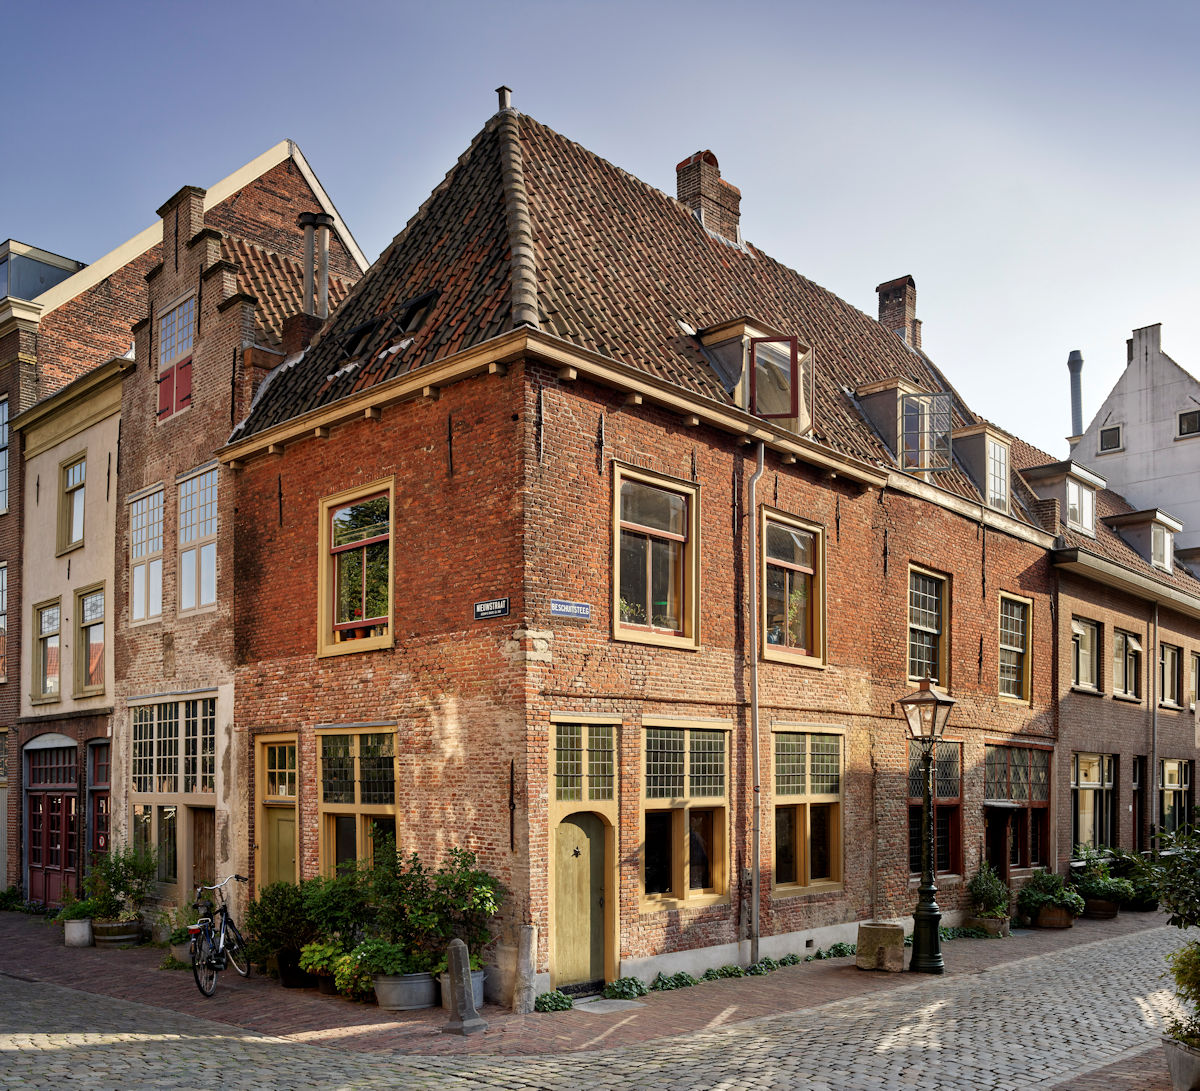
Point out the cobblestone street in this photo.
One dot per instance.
(1083, 1015)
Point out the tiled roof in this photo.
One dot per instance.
(277, 282)
(1107, 543)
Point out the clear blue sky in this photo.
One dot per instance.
(1034, 165)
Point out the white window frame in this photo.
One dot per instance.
(198, 497)
(1127, 650)
(146, 513)
(1022, 650)
(1081, 506)
(1162, 547)
(1170, 675)
(1084, 631)
(997, 474)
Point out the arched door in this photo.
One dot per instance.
(579, 903)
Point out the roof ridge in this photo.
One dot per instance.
(522, 267)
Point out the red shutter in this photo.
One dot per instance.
(183, 384)
(166, 393)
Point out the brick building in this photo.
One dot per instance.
(223, 268)
(513, 611)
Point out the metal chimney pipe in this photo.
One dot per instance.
(306, 220)
(505, 94)
(1075, 366)
(323, 221)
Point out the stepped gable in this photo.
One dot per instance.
(456, 246)
(1108, 542)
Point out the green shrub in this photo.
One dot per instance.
(1175, 874)
(1047, 888)
(351, 976)
(625, 988)
(763, 966)
(553, 1001)
(666, 983)
(790, 960)
(990, 895)
(120, 881)
(76, 909)
(466, 898)
(321, 957)
(278, 920)
(11, 899)
(1131, 866)
(339, 907)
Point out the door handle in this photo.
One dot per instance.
(601, 901)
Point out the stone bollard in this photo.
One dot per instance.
(880, 947)
(524, 990)
(464, 1019)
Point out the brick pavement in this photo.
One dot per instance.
(31, 950)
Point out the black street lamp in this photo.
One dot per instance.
(926, 710)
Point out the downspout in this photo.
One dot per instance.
(1152, 786)
(756, 822)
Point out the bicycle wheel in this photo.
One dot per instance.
(235, 949)
(204, 963)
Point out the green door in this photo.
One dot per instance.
(280, 857)
(579, 901)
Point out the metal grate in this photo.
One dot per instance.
(707, 763)
(791, 760)
(376, 769)
(664, 763)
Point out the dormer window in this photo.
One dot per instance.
(997, 475)
(925, 443)
(1081, 506)
(1162, 547)
(767, 372)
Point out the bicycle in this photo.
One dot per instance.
(213, 947)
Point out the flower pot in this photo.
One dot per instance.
(182, 952)
(327, 984)
(117, 933)
(403, 992)
(1054, 916)
(1099, 909)
(287, 962)
(77, 933)
(476, 989)
(993, 926)
(1183, 1062)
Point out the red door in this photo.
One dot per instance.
(53, 824)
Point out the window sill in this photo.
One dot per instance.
(777, 653)
(327, 648)
(1128, 698)
(69, 548)
(83, 694)
(1087, 691)
(192, 611)
(1022, 702)
(800, 890)
(1170, 706)
(47, 699)
(653, 904)
(661, 640)
(156, 620)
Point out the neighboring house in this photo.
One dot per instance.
(496, 536)
(1145, 438)
(71, 453)
(242, 248)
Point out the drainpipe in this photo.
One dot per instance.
(756, 825)
(1152, 772)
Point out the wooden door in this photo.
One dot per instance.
(579, 901)
(53, 845)
(204, 846)
(996, 838)
(279, 857)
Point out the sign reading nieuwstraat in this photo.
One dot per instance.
(491, 608)
(580, 611)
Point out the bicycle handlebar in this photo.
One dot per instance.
(222, 883)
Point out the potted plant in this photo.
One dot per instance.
(1102, 894)
(1131, 866)
(320, 958)
(177, 936)
(402, 980)
(76, 918)
(278, 925)
(1047, 902)
(118, 885)
(1175, 874)
(990, 898)
(468, 899)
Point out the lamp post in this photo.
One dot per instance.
(926, 710)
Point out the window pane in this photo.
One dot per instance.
(187, 580)
(790, 764)
(826, 764)
(776, 605)
(635, 590)
(139, 592)
(600, 761)
(377, 769)
(568, 761)
(820, 841)
(361, 520)
(785, 845)
(790, 545)
(659, 856)
(377, 580)
(337, 769)
(700, 850)
(50, 665)
(168, 855)
(345, 839)
(664, 763)
(666, 561)
(655, 508)
(208, 574)
(707, 763)
(94, 651)
(155, 587)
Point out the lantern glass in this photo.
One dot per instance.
(926, 710)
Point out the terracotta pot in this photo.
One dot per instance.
(1099, 909)
(1053, 916)
(1184, 1065)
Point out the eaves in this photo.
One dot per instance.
(1110, 574)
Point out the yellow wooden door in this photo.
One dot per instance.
(579, 901)
(280, 857)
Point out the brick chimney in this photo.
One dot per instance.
(699, 185)
(898, 309)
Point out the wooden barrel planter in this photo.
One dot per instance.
(117, 933)
(1099, 909)
(1053, 916)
